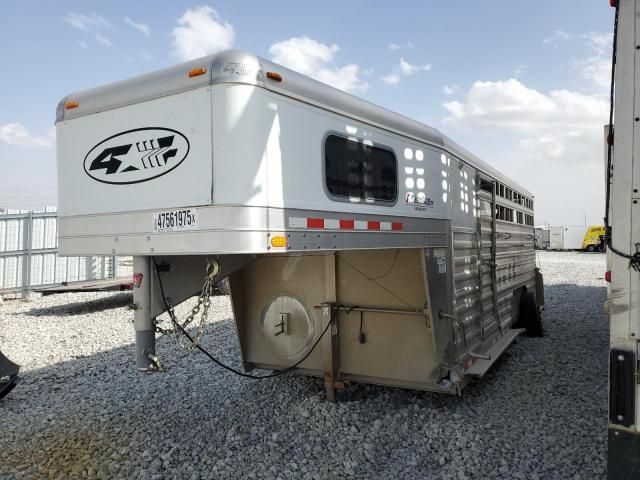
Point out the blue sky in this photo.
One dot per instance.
(522, 87)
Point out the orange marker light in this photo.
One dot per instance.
(194, 72)
(71, 104)
(274, 76)
(279, 241)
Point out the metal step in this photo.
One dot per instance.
(480, 367)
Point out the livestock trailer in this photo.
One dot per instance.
(360, 245)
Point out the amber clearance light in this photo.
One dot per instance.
(194, 72)
(274, 76)
(71, 104)
(278, 241)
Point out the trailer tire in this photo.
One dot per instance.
(529, 315)
(591, 248)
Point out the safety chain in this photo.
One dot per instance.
(201, 307)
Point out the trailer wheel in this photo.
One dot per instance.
(591, 248)
(529, 315)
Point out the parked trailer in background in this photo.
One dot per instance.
(588, 238)
(360, 245)
(543, 238)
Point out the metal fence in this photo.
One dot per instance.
(29, 254)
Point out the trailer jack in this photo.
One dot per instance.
(8, 375)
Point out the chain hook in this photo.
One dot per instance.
(213, 268)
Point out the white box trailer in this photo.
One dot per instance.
(542, 238)
(556, 238)
(327, 213)
(574, 237)
(623, 244)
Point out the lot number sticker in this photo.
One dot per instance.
(175, 220)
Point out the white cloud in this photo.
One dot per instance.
(316, 60)
(395, 46)
(599, 41)
(407, 69)
(201, 32)
(391, 79)
(596, 68)
(520, 70)
(557, 36)
(103, 40)
(598, 71)
(85, 22)
(82, 44)
(450, 89)
(553, 118)
(552, 143)
(141, 27)
(549, 141)
(16, 134)
(404, 69)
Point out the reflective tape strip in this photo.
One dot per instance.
(343, 224)
(347, 224)
(315, 222)
(331, 223)
(297, 222)
(373, 225)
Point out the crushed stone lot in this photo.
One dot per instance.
(83, 411)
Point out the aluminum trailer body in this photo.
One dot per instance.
(320, 207)
(623, 180)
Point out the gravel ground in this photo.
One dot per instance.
(82, 411)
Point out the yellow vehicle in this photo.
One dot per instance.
(593, 239)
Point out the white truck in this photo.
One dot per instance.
(360, 245)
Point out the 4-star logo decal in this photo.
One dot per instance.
(136, 156)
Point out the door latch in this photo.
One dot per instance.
(283, 326)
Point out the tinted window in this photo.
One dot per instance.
(353, 169)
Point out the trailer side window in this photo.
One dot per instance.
(486, 185)
(356, 170)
